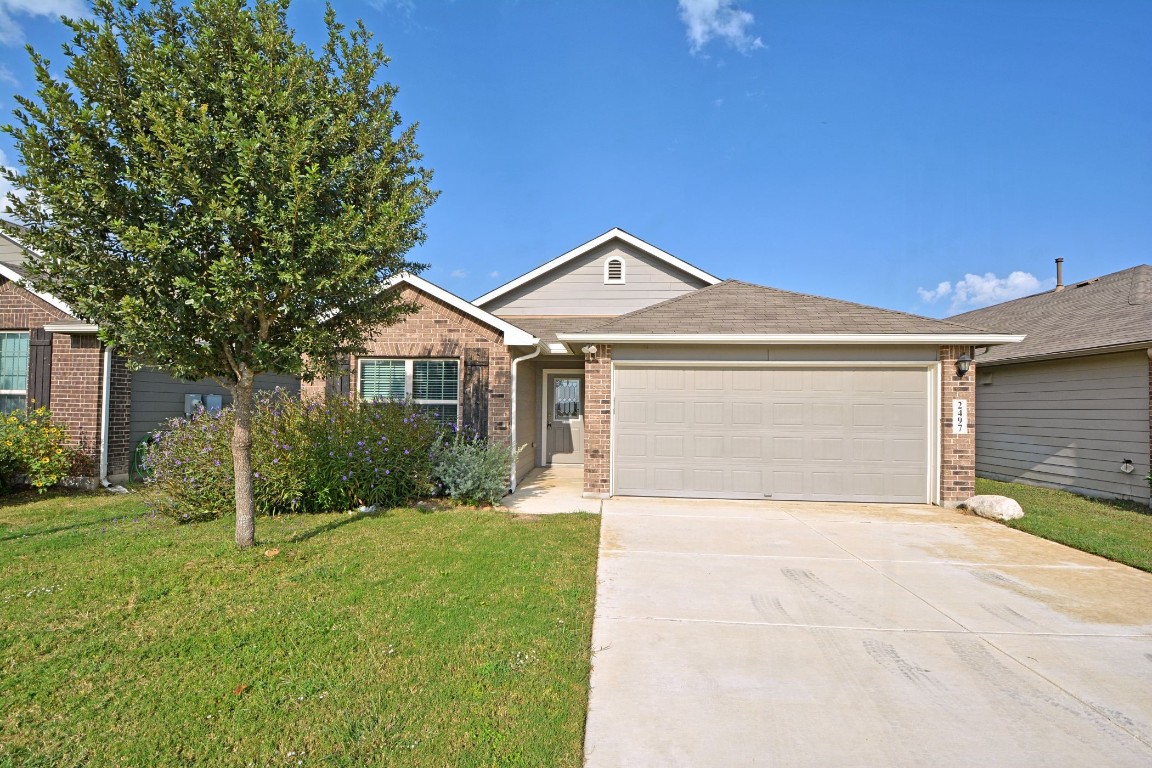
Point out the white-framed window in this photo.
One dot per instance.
(614, 271)
(432, 384)
(13, 371)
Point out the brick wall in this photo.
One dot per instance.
(441, 330)
(1150, 422)
(76, 369)
(957, 452)
(598, 422)
(120, 423)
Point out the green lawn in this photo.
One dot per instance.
(1118, 530)
(449, 637)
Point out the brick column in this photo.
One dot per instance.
(120, 445)
(957, 452)
(1150, 423)
(598, 422)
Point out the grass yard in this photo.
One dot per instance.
(449, 637)
(1117, 530)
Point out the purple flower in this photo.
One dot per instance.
(217, 462)
(387, 471)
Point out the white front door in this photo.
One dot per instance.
(564, 415)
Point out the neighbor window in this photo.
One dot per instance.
(614, 270)
(13, 371)
(433, 385)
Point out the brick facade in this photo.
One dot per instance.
(441, 330)
(957, 452)
(598, 422)
(77, 373)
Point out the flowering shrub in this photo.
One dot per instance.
(33, 445)
(470, 469)
(306, 457)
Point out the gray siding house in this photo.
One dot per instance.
(1069, 406)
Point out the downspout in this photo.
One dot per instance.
(515, 362)
(105, 419)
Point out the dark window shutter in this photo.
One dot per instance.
(341, 384)
(39, 368)
(475, 400)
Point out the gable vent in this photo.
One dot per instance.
(614, 270)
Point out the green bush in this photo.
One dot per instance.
(306, 457)
(36, 447)
(470, 469)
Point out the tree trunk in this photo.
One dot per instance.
(242, 460)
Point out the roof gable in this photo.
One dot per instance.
(672, 267)
(1104, 313)
(738, 311)
(513, 335)
(11, 267)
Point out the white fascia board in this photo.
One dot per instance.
(513, 336)
(19, 279)
(77, 327)
(974, 339)
(613, 234)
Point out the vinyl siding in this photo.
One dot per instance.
(157, 397)
(577, 288)
(10, 253)
(1066, 424)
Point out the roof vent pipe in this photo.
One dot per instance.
(1059, 274)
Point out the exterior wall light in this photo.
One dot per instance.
(1126, 466)
(963, 363)
(588, 349)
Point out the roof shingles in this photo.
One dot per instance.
(738, 308)
(1110, 311)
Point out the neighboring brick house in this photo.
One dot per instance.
(663, 380)
(1071, 406)
(49, 357)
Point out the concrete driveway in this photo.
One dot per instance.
(788, 634)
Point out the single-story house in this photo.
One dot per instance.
(1069, 407)
(50, 357)
(661, 379)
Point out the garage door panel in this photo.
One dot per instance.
(861, 435)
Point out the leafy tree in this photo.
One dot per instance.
(221, 200)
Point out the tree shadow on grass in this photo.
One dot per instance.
(332, 525)
(58, 528)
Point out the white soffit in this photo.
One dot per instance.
(613, 234)
(513, 336)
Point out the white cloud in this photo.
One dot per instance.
(709, 20)
(493, 274)
(10, 31)
(6, 76)
(458, 274)
(938, 292)
(976, 291)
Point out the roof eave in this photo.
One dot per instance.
(613, 234)
(973, 339)
(1071, 353)
(22, 281)
(512, 335)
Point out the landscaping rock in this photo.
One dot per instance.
(994, 507)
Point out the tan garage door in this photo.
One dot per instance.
(819, 433)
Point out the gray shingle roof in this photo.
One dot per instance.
(735, 307)
(545, 328)
(1108, 311)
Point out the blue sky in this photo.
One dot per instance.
(870, 151)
